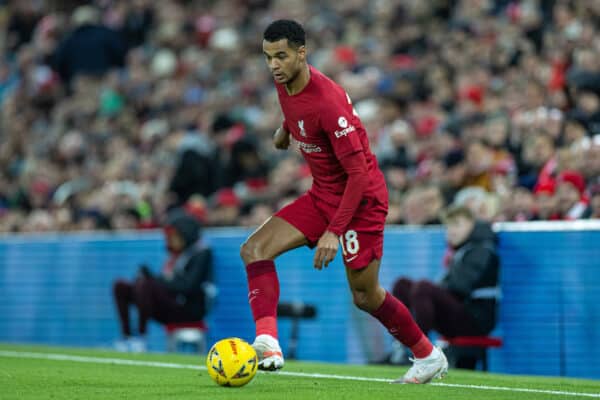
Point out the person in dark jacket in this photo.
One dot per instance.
(90, 49)
(464, 302)
(181, 293)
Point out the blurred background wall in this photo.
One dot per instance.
(56, 290)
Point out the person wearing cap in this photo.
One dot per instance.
(570, 187)
(181, 293)
(545, 207)
(227, 208)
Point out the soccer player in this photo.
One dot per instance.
(346, 206)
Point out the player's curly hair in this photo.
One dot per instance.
(286, 29)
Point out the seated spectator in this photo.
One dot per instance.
(90, 49)
(115, 93)
(422, 205)
(480, 163)
(545, 202)
(520, 205)
(572, 203)
(464, 302)
(181, 293)
(456, 170)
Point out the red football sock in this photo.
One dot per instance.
(422, 348)
(263, 295)
(399, 322)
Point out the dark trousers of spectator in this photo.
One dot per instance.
(435, 308)
(152, 300)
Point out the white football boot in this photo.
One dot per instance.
(423, 370)
(270, 356)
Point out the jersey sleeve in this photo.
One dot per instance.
(355, 166)
(341, 126)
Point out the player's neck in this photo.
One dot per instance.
(300, 82)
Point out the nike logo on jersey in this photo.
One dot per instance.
(351, 258)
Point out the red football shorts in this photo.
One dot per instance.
(360, 244)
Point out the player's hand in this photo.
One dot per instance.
(281, 139)
(327, 248)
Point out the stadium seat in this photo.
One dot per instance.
(186, 333)
(467, 351)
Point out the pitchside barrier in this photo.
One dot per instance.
(56, 289)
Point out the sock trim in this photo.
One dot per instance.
(260, 267)
(267, 326)
(423, 348)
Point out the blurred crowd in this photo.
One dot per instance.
(114, 111)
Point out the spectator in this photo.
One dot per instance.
(464, 302)
(181, 293)
(545, 202)
(194, 174)
(522, 205)
(570, 186)
(588, 108)
(22, 24)
(245, 164)
(595, 201)
(90, 49)
(455, 174)
(422, 206)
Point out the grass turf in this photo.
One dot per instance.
(27, 375)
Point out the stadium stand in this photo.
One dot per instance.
(494, 103)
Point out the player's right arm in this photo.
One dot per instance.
(281, 138)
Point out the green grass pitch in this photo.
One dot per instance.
(35, 372)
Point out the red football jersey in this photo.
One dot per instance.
(323, 121)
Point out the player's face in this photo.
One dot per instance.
(285, 62)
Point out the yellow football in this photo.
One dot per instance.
(232, 362)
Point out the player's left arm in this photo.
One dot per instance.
(355, 165)
(341, 124)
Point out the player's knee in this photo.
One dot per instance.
(252, 251)
(362, 300)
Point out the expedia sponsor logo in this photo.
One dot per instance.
(345, 132)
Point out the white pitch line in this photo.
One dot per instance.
(96, 360)
(523, 390)
(121, 361)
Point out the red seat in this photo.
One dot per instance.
(466, 351)
(474, 341)
(193, 333)
(170, 328)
